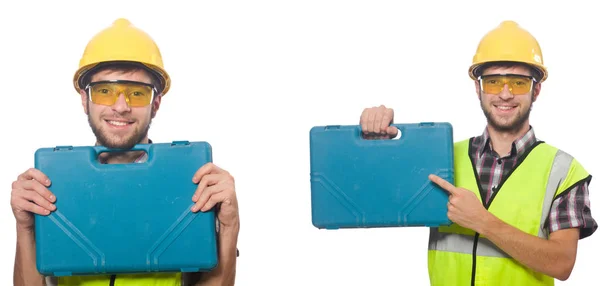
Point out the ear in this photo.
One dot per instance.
(156, 105)
(84, 101)
(536, 91)
(477, 89)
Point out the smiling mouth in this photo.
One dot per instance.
(118, 123)
(504, 107)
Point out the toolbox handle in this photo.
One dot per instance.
(402, 128)
(138, 147)
(401, 131)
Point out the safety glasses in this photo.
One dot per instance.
(137, 94)
(517, 84)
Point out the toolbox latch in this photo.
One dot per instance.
(63, 148)
(180, 143)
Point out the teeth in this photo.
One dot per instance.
(117, 123)
(504, 107)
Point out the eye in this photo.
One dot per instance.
(138, 93)
(104, 90)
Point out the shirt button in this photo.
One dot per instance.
(499, 161)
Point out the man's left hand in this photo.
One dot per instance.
(216, 186)
(464, 208)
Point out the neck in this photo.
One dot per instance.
(125, 157)
(502, 140)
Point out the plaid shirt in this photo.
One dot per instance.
(568, 211)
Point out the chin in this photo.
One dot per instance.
(119, 142)
(125, 145)
(122, 139)
(511, 126)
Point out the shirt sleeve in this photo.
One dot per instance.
(573, 210)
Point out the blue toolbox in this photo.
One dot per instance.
(360, 183)
(124, 218)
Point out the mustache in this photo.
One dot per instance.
(500, 101)
(116, 117)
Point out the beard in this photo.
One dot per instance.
(125, 143)
(512, 126)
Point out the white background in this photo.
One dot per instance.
(252, 78)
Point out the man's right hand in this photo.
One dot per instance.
(30, 195)
(375, 123)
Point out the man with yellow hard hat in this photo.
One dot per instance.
(122, 81)
(519, 205)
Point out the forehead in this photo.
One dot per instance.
(139, 75)
(517, 69)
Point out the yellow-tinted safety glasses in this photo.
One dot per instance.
(517, 84)
(137, 94)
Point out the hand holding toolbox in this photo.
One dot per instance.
(124, 218)
(360, 183)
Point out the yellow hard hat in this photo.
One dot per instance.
(509, 42)
(123, 42)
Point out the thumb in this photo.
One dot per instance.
(392, 131)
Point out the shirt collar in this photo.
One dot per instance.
(518, 146)
(144, 157)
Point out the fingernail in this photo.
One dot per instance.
(194, 208)
(47, 181)
(52, 197)
(194, 198)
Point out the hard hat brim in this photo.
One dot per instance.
(474, 68)
(159, 73)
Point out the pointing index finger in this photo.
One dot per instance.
(443, 183)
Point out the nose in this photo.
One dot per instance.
(121, 105)
(506, 93)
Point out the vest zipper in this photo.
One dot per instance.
(474, 267)
(476, 238)
(112, 280)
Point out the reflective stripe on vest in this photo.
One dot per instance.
(459, 256)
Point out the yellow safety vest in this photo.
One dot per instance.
(459, 256)
(150, 279)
